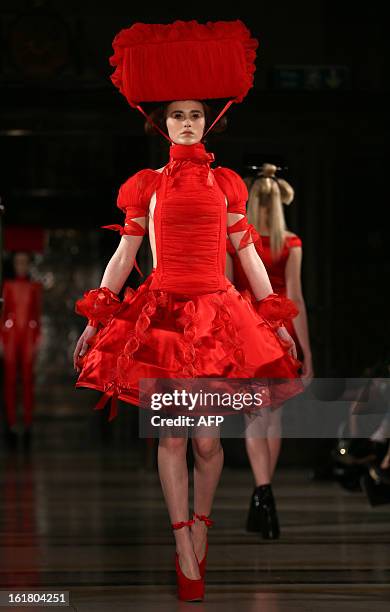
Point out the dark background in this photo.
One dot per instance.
(68, 139)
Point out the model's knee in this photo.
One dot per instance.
(206, 448)
(173, 445)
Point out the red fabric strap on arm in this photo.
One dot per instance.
(242, 226)
(134, 229)
(131, 228)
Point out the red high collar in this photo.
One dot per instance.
(194, 152)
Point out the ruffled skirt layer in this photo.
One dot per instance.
(158, 334)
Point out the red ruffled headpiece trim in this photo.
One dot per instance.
(184, 60)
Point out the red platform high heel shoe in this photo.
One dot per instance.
(209, 523)
(187, 589)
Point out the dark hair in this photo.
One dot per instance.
(159, 116)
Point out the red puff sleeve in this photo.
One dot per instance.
(293, 241)
(236, 193)
(133, 199)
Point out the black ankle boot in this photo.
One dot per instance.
(262, 516)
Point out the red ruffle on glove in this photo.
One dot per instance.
(276, 309)
(98, 305)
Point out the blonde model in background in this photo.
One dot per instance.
(281, 253)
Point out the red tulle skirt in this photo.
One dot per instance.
(159, 334)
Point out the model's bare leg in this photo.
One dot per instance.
(173, 472)
(274, 439)
(257, 447)
(263, 444)
(208, 456)
(262, 438)
(259, 459)
(274, 446)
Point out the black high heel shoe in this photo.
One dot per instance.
(262, 515)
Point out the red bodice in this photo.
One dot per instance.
(190, 225)
(190, 218)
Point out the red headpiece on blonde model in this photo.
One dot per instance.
(184, 60)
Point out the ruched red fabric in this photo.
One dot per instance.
(190, 225)
(186, 320)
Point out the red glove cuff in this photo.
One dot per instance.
(276, 309)
(98, 305)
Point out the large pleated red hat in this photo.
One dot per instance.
(184, 60)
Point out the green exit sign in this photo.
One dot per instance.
(311, 78)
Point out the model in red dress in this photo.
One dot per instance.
(281, 252)
(186, 320)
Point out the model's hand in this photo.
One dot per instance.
(82, 345)
(285, 337)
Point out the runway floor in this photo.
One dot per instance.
(93, 523)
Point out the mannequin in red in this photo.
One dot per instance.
(20, 332)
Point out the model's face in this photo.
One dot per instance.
(21, 264)
(185, 121)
